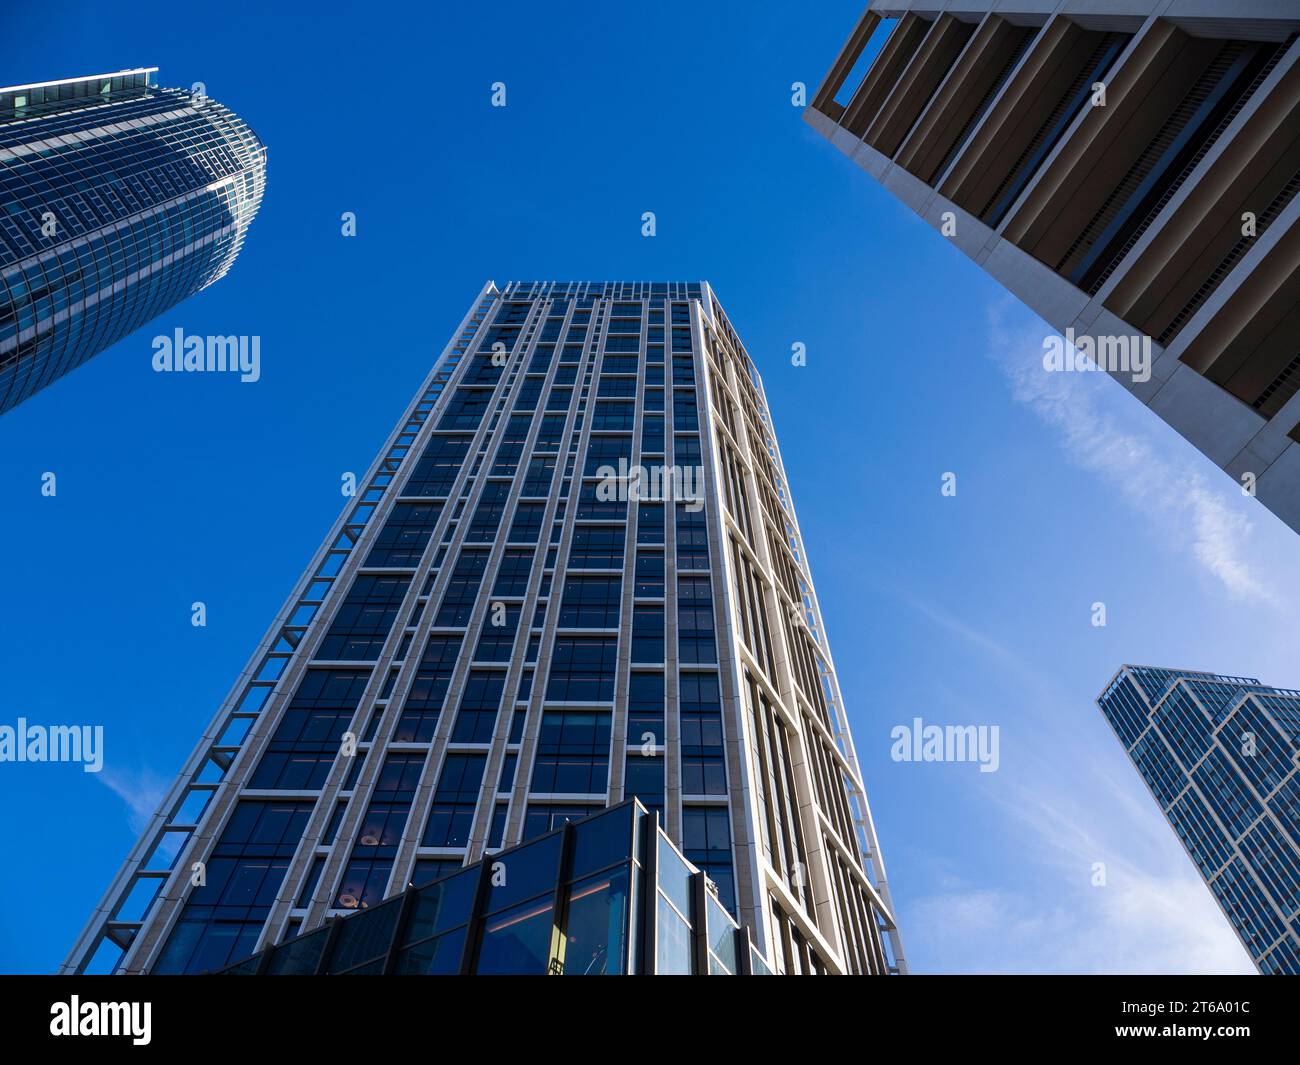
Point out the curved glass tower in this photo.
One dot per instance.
(118, 199)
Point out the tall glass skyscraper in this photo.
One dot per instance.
(118, 199)
(1220, 756)
(573, 576)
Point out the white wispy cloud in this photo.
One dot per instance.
(979, 639)
(1065, 801)
(1061, 806)
(142, 791)
(1189, 510)
(1152, 914)
(1133, 925)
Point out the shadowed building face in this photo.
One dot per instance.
(1129, 173)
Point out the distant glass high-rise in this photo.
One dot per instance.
(573, 576)
(1220, 756)
(1129, 170)
(118, 199)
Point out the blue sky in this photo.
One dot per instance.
(969, 609)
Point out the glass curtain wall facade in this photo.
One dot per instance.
(609, 895)
(118, 199)
(1220, 757)
(573, 577)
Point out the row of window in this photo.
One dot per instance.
(574, 742)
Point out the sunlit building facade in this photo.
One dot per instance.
(118, 199)
(1128, 170)
(573, 577)
(1220, 755)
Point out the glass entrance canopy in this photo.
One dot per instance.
(608, 895)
